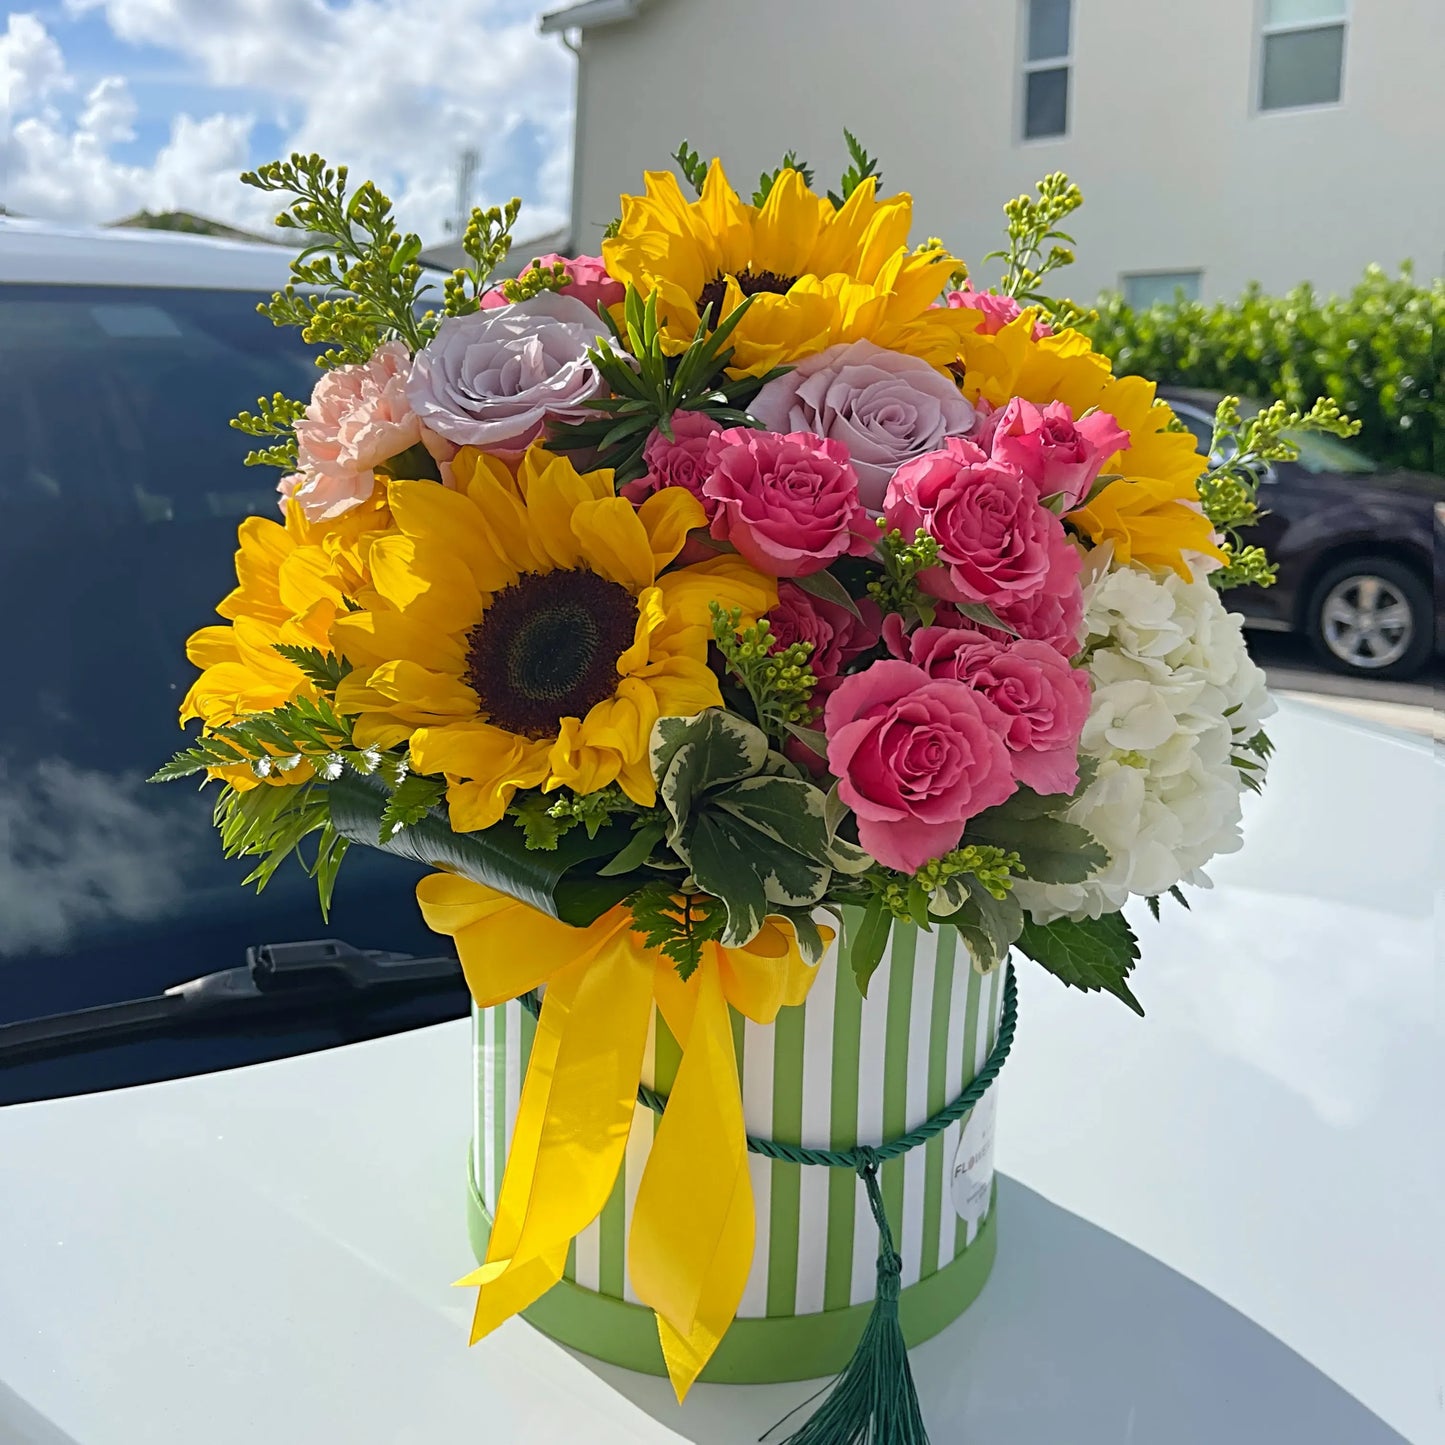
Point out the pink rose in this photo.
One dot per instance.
(1056, 453)
(1043, 701)
(587, 280)
(997, 543)
(788, 503)
(681, 462)
(358, 417)
(997, 310)
(915, 757)
(836, 634)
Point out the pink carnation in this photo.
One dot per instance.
(997, 311)
(587, 280)
(836, 634)
(1055, 452)
(998, 544)
(681, 462)
(915, 757)
(789, 504)
(358, 417)
(1043, 702)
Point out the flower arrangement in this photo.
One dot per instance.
(672, 600)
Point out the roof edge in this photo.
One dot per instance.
(590, 15)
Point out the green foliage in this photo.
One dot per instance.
(1032, 226)
(410, 801)
(486, 241)
(546, 818)
(322, 669)
(274, 417)
(898, 590)
(865, 936)
(1030, 825)
(692, 166)
(1175, 894)
(768, 179)
(1241, 453)
(1375, 351)
(862, 167)
(779, 684)
(648, 387)
(1095, 953)
(272, 823)
(752, 832)
(276, 742)
(535, 280)
(563, 882)
(1251, 755)
(366, 271)
(677, 923)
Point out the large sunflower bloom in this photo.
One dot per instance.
(1152, 514)
(521, 631)
(820, 275)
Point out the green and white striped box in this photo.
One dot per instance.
(837, 1071)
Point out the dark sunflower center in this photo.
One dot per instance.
(548, 648)
(749, 283)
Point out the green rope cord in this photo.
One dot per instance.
(865, 1158)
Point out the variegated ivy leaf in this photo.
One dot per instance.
(793, 813)
(750, 872)
(689, 754)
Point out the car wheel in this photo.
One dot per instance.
(1373, 617)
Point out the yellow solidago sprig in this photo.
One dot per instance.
(779, 684)
(1241, 453)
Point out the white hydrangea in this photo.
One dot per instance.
(1175, 693)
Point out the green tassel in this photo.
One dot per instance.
(874, 1401)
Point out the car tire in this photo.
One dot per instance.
(1371, 616)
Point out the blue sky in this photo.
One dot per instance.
(115, 105)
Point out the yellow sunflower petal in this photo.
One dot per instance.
(576, 765)
(210, 645)
(613, 543)
(726, 579)
(480, 752)
(371, 638)
(786, 229)
(425, 578)
(668, 516)
(428, 512)
(554, 490)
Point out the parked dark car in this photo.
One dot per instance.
(1360, 548)
(122, 356)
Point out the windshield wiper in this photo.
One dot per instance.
(288, 976)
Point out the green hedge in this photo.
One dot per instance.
(1378, 352)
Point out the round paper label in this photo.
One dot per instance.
(972, 1184)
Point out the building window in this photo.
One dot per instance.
(1302, 53)
(1143, 289)
(1046, 68)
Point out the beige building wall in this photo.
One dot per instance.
(1179, 169)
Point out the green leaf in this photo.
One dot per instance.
(1052, 850)
(1096, 953)
(1178, 897)
(413, 798)
(823, 584)
(865, 936)
(688, 754)
(810, 940)
(636, 853)
(985, 616)
(1001, 919)
(563, 884)
(720, 870)
(814, 740)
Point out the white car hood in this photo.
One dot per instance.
(1221, 1223)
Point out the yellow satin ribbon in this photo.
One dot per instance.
(691, 1243)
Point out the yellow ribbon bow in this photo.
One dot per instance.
(691, 1243)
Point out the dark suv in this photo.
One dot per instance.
(1359, 548)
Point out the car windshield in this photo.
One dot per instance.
(121, 491)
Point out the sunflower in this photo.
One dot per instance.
(819, 275)
(521, 631)
(1152, 513)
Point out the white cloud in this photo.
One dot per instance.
(31, 65)
(394, 88)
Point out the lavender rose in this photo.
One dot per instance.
(495, 378)
(885, 407)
